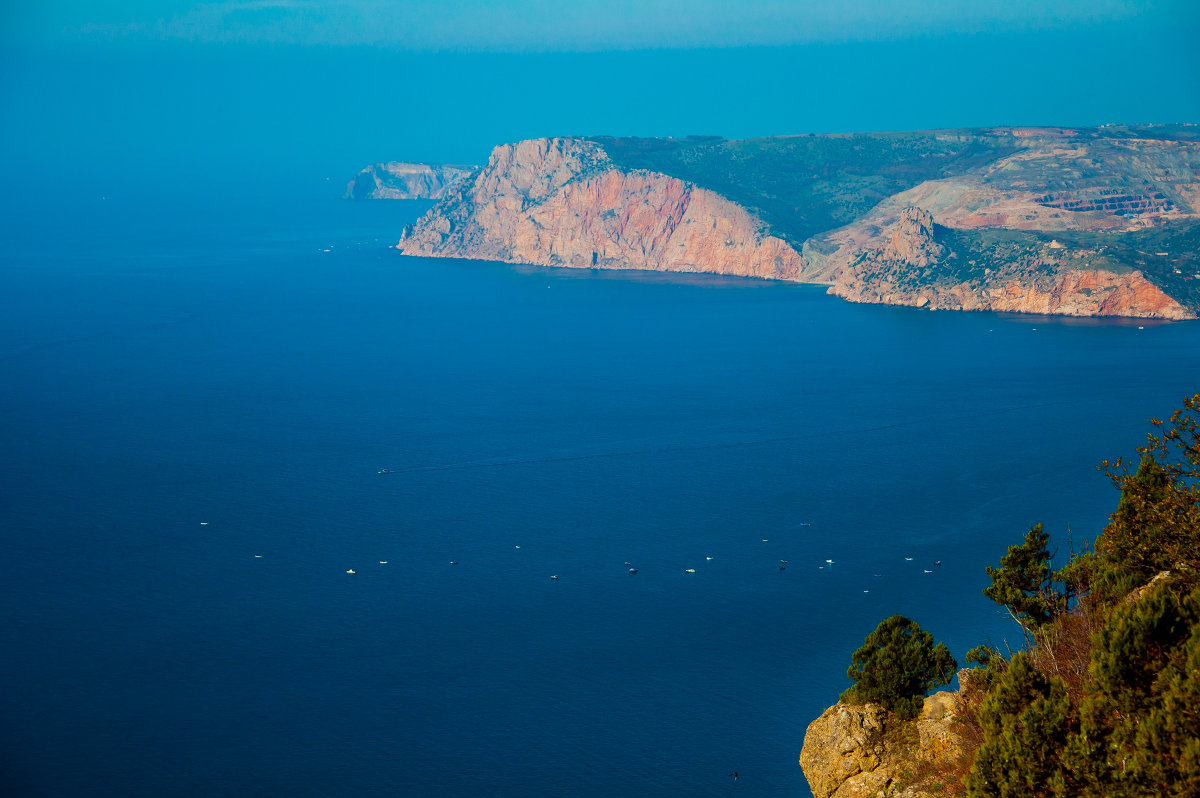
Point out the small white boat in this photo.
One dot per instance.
(690, 570)
(351, 571)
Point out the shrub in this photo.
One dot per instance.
(1026, 721)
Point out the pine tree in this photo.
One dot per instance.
(1140, 718)
(1024, 582)
(1026, 721)
(1166, 755)
(897, 665)
(1156, 526)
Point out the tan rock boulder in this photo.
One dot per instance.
(861, 751)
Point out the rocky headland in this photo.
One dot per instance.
(912, 266)
(562, 202)
(396, 180)
(1047, 221)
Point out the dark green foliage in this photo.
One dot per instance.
(1078, 575)
(1024, 582)
(1156, 526)
(1105, 701)
(1131, 541)
(1166, 750)
(1129, 726)
(897, 665)
(1140, 719)
(982, 655)
(804, 185)
(1026, 721)
(1136, 644)
(992, 665)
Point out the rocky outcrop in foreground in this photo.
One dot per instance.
(856, 751)
(561, 202)
(406, 180)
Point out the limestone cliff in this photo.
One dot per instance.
(561, 202)
(856, 751)
(395, 180)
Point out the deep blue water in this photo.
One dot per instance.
(189, 383)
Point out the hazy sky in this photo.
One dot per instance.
(557, 25)
(246, 92)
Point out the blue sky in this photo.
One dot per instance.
(559, 25)
(250, 91)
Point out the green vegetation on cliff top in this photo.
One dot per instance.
(1168, 256)
(805, 185)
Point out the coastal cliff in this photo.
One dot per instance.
(1046, 221)
(561, 202)
(912, 266)
(396, 180)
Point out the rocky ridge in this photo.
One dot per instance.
(856, 751)
(397, 180)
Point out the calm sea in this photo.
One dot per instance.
(199, 396)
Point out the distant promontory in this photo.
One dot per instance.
(397, 180)
(1069, 221)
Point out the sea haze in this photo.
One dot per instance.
(199, 396)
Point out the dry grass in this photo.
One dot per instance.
(1064, 647)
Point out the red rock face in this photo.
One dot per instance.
(903, 270)
(1072, 292)
(558, 202)
(911, 239)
